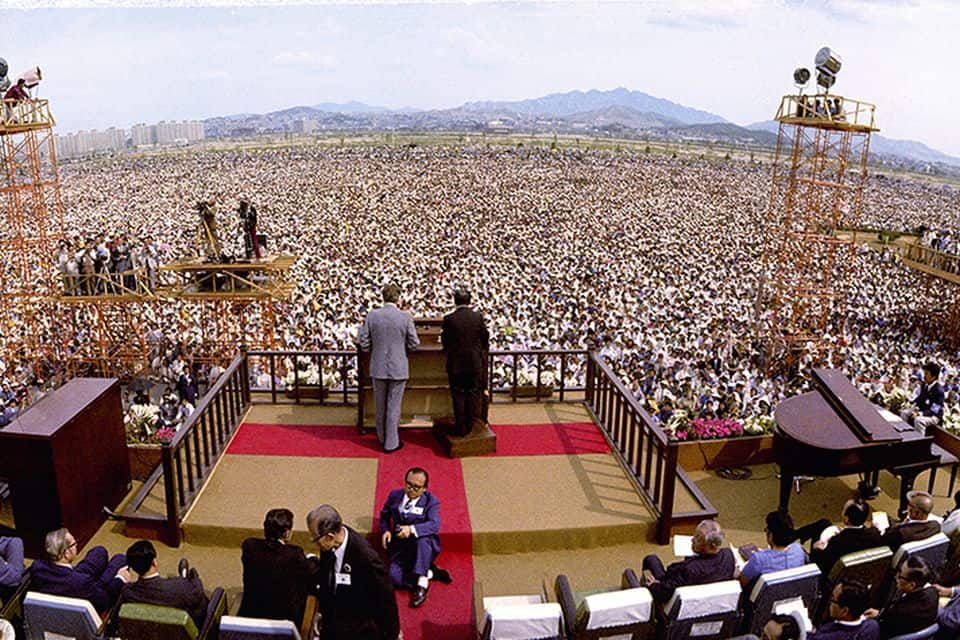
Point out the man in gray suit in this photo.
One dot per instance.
(388, 333)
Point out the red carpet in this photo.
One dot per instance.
(570, 438)
(447, 614)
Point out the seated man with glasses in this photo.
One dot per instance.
(410, 522)
(848, 602)
(915, 605)
(95, 578)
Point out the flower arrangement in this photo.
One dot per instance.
(897, 399)
(528, 378)
(163, 435)
(951, 420)
(683, 428)
(141, 423)
(758, 425)
(679, 423)
(309, 376)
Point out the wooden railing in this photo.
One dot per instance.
(933, 258)
(642, 448)
(188, 460)
(25, 114)
(648, 454)
(564, 362)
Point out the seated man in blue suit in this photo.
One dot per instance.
(410, 522)
(96, 578)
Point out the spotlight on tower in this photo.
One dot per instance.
(4, 81)
(828, 65)
(801, 76)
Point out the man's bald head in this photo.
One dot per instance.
(919, 505)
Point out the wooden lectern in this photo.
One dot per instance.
(426, 397)
(66, 458)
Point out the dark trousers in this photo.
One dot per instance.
(654, 565)
(465, 392)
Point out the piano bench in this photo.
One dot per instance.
(947, 459)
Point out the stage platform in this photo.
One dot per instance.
(551, 485)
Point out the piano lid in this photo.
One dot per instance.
(852, 407)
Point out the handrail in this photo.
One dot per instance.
(642, 448)
(25, 114)
(188, 459)
(640, 445)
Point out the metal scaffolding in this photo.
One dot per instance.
(817, 189)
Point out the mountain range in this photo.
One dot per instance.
(617, 113)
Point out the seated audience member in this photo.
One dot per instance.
(711, 562)
(276, 574)
(410, 522)
(915, 605)
(848, 601)
(180, 592)
(783, 552)
(781, 627)
(949, 616)
(916, 526)
(95, 578)
(951, 521)
(926, 408)
(11, 565)
(854, 536)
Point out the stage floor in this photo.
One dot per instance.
(552, 485)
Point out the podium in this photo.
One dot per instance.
(66, 458)
(426, 395)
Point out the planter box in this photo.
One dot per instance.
(698, 455)
(530, 391)
(143, 459)
(311, 391)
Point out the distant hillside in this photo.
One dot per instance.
(573, 102)
(350, 107)
(627, 116)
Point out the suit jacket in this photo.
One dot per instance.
(465, 339)
(177, 592)
(276, 580)
(698, 569)
(83, 581)
(427, 522)
(387, 333)
(910, 612)
(848, 540)
(866, 630)
(366, 609)
(909, 531)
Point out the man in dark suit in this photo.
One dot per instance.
(187, 386)
(276, 574)
(915, 605)
(917, 526)
(95, 578)
(356, 596)
(180, 592)
(711, 562)
(410, 522)
(465, 340)
(388, 333)
(855, 536)
(848, 601)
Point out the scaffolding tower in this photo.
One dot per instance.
(819, 172)
(31, 226)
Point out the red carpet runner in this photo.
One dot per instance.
(447, 614)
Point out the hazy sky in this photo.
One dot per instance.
(113, 63)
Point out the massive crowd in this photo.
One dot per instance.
(653, 259)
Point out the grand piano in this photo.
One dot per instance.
(835, 431)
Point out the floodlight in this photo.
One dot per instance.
(31, 77)
(827, 59)
(801, 76)
(3, 67)
(825, 79)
